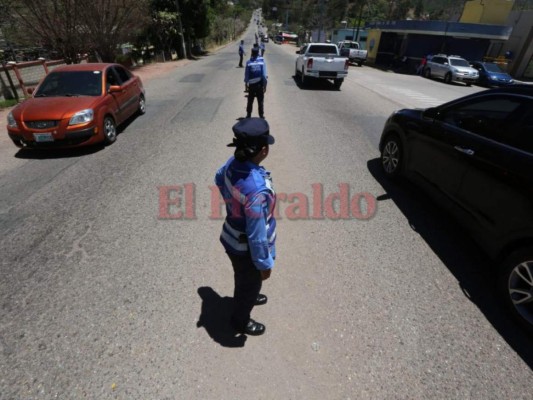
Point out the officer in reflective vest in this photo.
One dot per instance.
(255, 79)
(249, 231)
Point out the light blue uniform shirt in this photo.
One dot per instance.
(250, 226)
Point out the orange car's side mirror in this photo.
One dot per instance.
(115, 89)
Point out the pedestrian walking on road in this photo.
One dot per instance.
(249, 231)
(255, 80)
(241, 53)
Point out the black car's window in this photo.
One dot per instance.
(123, 74)
(493, 118)
(71, 83)
(524, 136)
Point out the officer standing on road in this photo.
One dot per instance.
(255, 79)
(262, 48)
(249, 231)
(241, 53)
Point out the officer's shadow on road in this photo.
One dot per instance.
(215, 318)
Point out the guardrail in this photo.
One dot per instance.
(16, 78)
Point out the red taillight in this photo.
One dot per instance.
(310, 63)
(346, 64)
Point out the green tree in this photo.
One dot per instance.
(195, 22)
(419, 9)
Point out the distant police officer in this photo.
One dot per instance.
(262, 48)
(255, 79)
(249, 231)
(241, 52)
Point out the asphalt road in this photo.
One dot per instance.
(103, 295)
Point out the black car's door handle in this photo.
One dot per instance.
(468, 152)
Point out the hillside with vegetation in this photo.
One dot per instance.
(327, 14)
(110, 28)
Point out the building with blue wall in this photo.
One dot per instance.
(391, 40)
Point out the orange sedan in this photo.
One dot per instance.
(77, 105)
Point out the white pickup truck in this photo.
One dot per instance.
(321, 61)
(353, 51)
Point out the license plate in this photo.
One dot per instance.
(43, 137)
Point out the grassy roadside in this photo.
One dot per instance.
(7, 103)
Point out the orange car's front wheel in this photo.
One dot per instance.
(110, 130)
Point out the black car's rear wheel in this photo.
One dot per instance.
(515, 284)
(392, 156)
(110, 130)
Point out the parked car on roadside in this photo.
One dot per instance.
(490, 74)
(77, 105)
(474, 156)
(451, 69)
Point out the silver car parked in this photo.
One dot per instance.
(451, 69)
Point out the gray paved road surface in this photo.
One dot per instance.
(101, 294)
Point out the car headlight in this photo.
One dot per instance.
(11, 121)
(82, 117)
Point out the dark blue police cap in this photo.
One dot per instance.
(251, 132)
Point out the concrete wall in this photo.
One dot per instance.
(372, 43)
(520, 43)
(487, 11)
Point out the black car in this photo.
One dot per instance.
(474, 155)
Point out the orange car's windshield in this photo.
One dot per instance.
(71, 83)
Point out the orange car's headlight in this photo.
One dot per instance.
(82, 117)
(11, 122)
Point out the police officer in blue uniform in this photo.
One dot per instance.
(241, 53)
(255, 79)
(249, 231)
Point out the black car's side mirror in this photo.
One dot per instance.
(431, 113)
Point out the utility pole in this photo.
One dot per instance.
(321, 20)
(359, 21)
(180, 29)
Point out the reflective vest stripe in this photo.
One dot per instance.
(234, 191)
(234, 232)
(234, 243)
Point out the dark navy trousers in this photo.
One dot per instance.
(248, 284)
